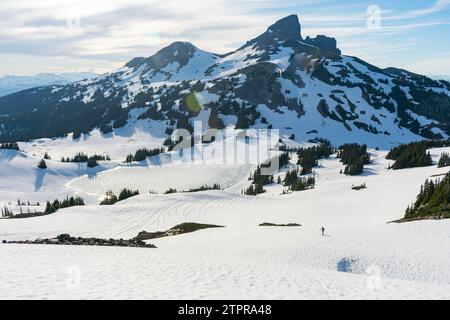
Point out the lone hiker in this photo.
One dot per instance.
(323, 231)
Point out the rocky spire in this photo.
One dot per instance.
(287, 28)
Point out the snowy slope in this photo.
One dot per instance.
(136, 134)
(360, 250)
(156, 174)
(26, 182)
(105, 273)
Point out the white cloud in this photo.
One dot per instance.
(435, 7)
(118, 30)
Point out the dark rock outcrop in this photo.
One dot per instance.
(67, 240)
(327, 44)
(177, 230)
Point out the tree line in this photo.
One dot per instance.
(10, 146)
(354, 156)
(308, 157)
(52, 207)
(124, 194)
(444, 160)
(7, 213)
(91, 161)
(259, 181)
(296, 183)
(433, 200)
(412, 155)
(415, 154)
(143, 154)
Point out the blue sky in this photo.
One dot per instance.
(101, 35)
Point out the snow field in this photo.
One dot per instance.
(361, 255)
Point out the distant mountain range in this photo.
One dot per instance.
(303, 86)
(445, 77)
(11, 84)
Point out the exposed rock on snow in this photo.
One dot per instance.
(67, 240)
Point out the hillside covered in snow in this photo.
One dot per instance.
(281, 79)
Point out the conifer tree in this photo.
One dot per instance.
(42, 164)
(444, 161)
(92, 162)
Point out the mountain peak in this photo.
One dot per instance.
(177, 48)
(181, 45)
(287, 28)
(177, 51)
